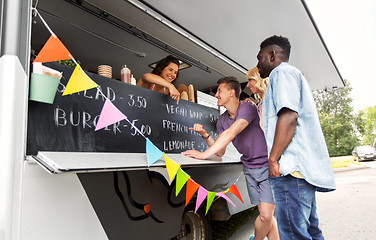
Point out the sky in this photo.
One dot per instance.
(349, 31)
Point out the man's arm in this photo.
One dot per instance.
(206, 136)
(222, 141)
(210, 141)
(284, 132)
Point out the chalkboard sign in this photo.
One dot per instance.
(68, 124)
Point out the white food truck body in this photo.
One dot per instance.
(51, 195)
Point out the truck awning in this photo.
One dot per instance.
(231, 32)
(217, 37)
(62, 162)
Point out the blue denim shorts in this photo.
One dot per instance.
(258, 185)
(295, 208)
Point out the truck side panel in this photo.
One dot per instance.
(56, 207)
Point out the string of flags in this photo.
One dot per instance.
(54, 50)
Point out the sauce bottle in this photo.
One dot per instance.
(133, 80)
(125, 74)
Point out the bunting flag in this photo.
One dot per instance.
(78, 82)
(221, 194)
(172, 167)
(234, 190)
(201, 195)
(153, 154)
(191, 189)
(209, 200)
(181, 179)
(53, 50)
(109, 115)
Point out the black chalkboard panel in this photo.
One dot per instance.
(69, 123)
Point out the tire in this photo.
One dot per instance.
(194, 226)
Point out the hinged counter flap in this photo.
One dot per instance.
(60, 162)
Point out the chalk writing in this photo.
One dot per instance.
(144, 129)
(94, 93)
(154, 114)
(137, 101)
(178, 145)
(195, 114)
(178, 110)
(85, 120)
(213, 118)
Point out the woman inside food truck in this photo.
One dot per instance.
(162, 76)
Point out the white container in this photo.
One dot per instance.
(125, 74)
(133, 80)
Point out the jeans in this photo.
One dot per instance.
(295, 208)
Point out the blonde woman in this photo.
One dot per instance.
(258, 86)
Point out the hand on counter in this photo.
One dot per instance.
(195, 154)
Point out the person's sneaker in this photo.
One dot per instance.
(252, 237)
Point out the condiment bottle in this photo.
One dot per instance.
(125, 74)
(133, 80)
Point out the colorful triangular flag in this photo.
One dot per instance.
(234, 190)
(209, 200)
(153, 154)
(53, 50)
(181, 179)
(78, 82)
(191, 189)
(109, 115)
(201, 195)
(221, 194)
(172, 167)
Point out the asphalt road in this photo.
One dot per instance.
(346, 213)
(350, 211)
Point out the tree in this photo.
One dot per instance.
(337, 119)
(366, 124)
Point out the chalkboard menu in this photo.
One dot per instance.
(68, 124)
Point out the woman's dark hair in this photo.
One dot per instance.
(233, 83)
(164, 63)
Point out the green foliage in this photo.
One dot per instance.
(68, 62)
(337, 119)
(366, 123)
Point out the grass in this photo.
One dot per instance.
(223, 230)
(340, 162)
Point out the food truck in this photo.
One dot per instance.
(62, 179)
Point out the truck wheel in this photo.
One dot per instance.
(194, 225)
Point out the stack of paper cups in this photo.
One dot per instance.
(105, 70)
